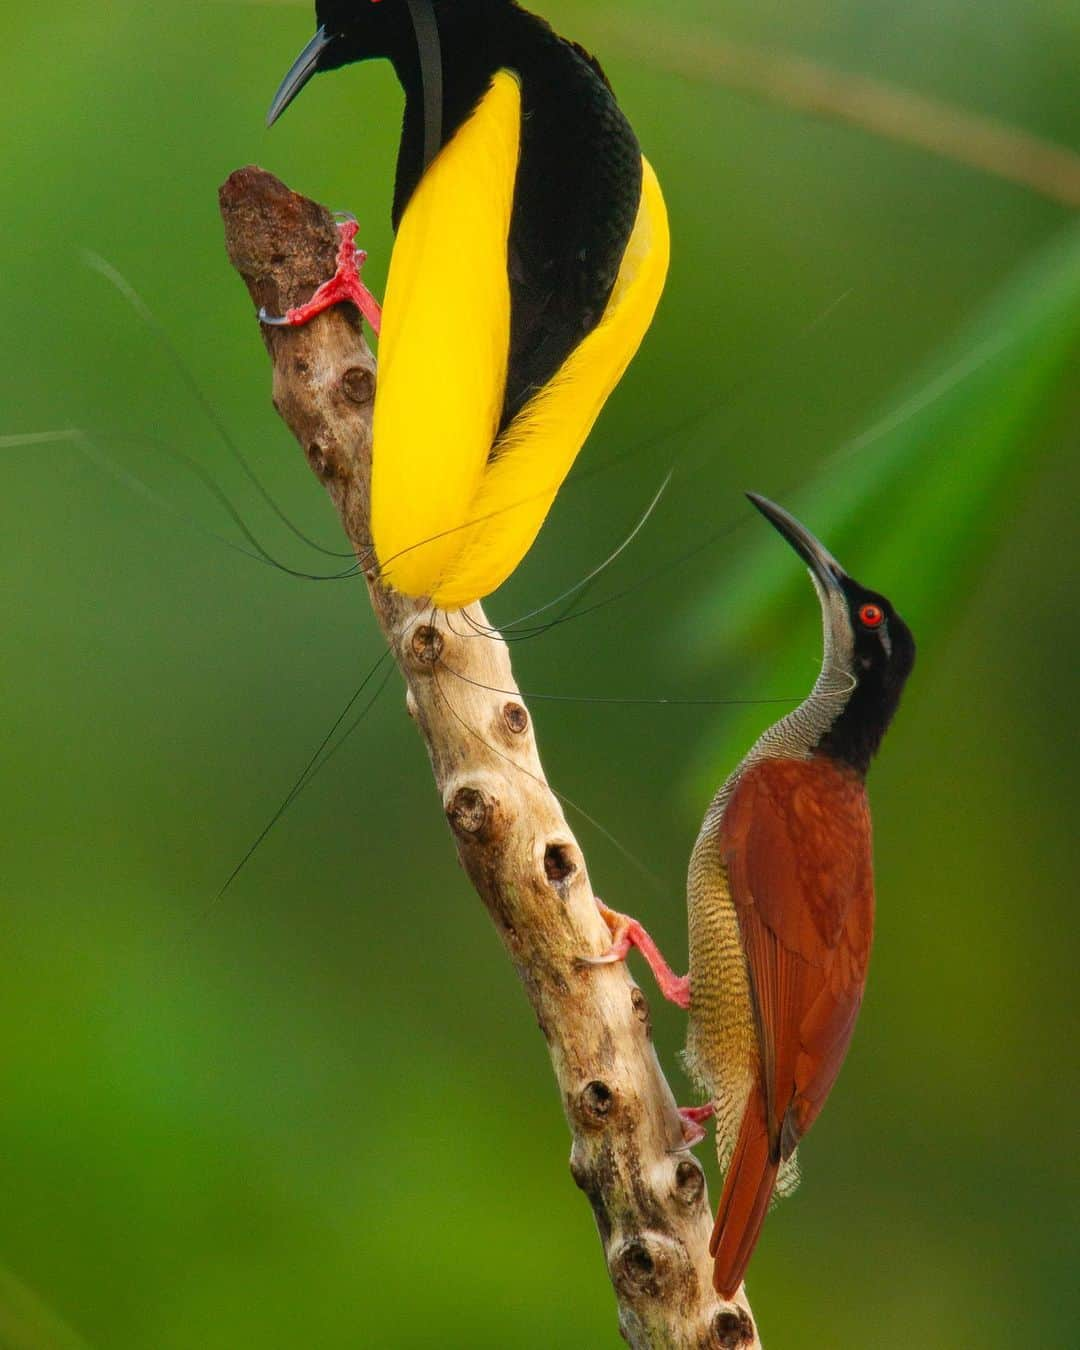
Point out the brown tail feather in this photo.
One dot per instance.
(748, 1187)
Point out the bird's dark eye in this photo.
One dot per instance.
(871, 616)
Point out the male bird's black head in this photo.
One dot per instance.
(865, 640)
(360, 29)
(346, 31)
(442, 51)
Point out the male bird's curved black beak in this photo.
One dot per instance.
(812, 551)
(301, 70)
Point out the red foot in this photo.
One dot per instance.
(693, 1119)
(345, 284)
(627, 933)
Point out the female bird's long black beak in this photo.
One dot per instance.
(813, 552)
(301, 70)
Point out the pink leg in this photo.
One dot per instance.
(627, 933)
(345, 284)
(693, 1119)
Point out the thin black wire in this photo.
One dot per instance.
(630, 701)
(585, 474)
(311, 768)
(572, 594)
(574, 590)
(258, 553)
(654, 881)
(135, 301)
(351, 727)
(116, 278)
(84, 442)
(858, 445)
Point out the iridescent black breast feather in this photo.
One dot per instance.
(578, 183)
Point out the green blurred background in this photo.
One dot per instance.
(318, 1113)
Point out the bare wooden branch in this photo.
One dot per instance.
(647, 1192)
(884, 110)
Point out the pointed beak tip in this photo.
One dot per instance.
(816, 556)
(773, 514)
(276, 108)
(301, 70)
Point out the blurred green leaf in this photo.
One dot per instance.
(912, 504)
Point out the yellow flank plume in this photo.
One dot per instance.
(536, 451)
(454, 512)
(444, 346)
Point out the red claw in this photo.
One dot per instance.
(345, 284)
(693, 1119)
(627, 933)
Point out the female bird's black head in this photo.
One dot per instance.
(881, 658)
(866, 640)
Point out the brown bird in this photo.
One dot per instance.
(781, 908)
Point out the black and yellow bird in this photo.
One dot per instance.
(781, 907)
(530, 254)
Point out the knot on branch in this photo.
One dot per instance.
(423, 645)
(472, 811)
(732, 1328)
(358, 385)
(689, 1182)
(653, 1266)
(640, 1005)
(559, 865)
(325, 463)
(515, 718)
(596, 1103)
(510, 725)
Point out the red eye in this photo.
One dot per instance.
(871, 616)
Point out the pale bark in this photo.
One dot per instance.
(647, 1192)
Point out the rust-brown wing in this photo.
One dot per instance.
(796, 841)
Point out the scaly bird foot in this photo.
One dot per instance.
(693, 1119)
(345, 284)
(627, 933)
